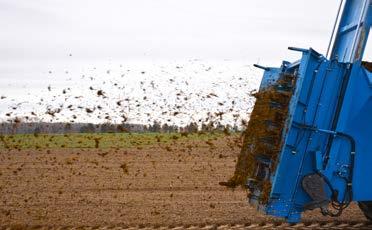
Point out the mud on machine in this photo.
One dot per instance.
(308, 143)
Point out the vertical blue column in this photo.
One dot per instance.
(352, 33)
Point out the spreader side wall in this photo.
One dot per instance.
(313, 104)
(356, 120)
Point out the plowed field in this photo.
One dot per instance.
(160, 184)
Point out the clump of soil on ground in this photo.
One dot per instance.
(263, 135)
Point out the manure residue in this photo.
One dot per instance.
(263, 135)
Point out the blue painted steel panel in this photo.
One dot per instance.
(314, 104)
(270, 77)
(329, 121)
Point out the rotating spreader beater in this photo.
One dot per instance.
(308, 143)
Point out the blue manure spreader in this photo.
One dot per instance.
(308, 144)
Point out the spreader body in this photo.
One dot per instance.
(323, 158)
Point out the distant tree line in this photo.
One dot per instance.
(62, 128)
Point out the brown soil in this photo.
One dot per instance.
(150, 186)
(367, 65)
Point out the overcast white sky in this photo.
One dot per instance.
(225, 36)
(249, 30)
